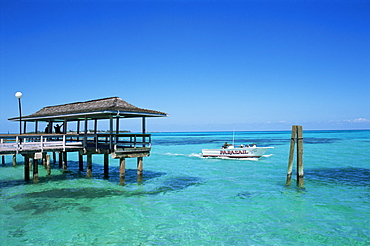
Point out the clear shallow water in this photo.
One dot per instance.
(188, 200)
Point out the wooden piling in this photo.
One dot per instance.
(291, 155)
(65, 161)
(14, 160)
(297, 136)
(80, 162)
(122, 169)
(106, 164)
(3, 159)
(26, 168)
(140, 165)
(300, 173)
(35, 170)
(60, 159)
(139, 169)
(48, 169)
(44, 159)
(89, 165)
(54, 158)
(30, 163)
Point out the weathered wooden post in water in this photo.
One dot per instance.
(122, 170)
(297, 136)
(140, 169)
(35, 170)
(106, 164)
(14, 160)
(26, 167)
(48, 168)
(89, 165)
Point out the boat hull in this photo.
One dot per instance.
(247, 152)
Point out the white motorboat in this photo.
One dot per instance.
(231, 151)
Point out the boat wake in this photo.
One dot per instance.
(185, 155)
(266, 156)
(196, 155)
(174, 154)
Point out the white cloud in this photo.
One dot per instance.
(358, 120)
(361, 120)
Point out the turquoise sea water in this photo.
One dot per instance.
(188, 200)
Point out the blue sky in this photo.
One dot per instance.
(211, 65)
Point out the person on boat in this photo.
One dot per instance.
(57, 128)
(226, 145)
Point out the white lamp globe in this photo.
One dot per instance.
(18, 94)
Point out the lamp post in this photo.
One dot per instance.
(19, 96)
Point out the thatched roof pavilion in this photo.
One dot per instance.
(106, 108)
(120, 145)
(94, 109)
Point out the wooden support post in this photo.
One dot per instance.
(143, 130)
(300, 173)
(3, 159)
(106, 164)
(291, 155)
(297, 136)
(14, 160)
(116, 138)
(35, 170)
(78, 131)
(44, 159)
(143, 126)
(54, 158)
(80, 161)
(95, 126)
(140, 165)
(26, 168)
(139, 169)
(122, 170)
(111, 132)
(60, 159)
(48, 169)
(65, 122)
(117, 125)
(36, 126)
(89, 165)
(65, 161)
(85, 133)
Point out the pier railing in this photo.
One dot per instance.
(15, 143)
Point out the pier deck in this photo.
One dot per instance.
(116, 144)
(36, 146)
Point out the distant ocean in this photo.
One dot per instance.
(185, 199)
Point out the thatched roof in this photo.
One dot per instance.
(94, 109)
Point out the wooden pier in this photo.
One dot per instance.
(34, 146)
